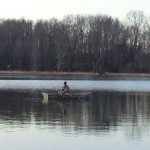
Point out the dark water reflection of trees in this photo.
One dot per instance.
(104, 111)
(114, 105)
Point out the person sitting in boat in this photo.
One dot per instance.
(65, 89)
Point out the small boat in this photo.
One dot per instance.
(67, 96)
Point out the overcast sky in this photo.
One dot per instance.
(47, 9)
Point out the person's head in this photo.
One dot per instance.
(65, 83)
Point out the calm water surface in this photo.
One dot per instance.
(117, 117)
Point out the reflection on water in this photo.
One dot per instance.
(128, 111)
(90, 85)
(112, 116)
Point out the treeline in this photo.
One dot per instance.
(97, 43)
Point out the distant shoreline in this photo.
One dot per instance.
(32, 75)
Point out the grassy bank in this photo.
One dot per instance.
(46, 75)
(69, 75)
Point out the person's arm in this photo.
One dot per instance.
(67, 89)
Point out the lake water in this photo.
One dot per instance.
(117, 117)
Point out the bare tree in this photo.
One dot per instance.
(136, 21)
